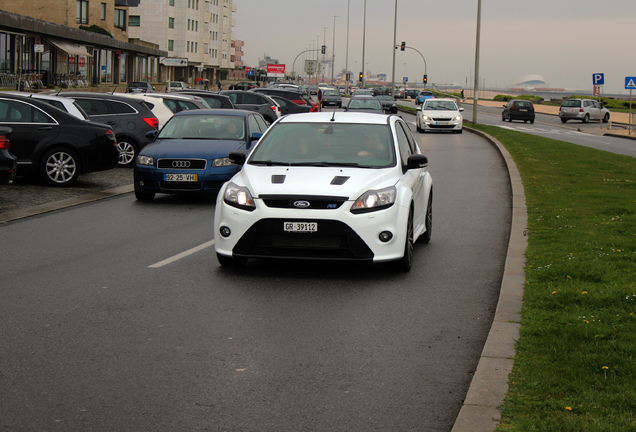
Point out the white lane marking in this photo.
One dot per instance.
(182, 255)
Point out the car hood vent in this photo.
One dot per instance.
(278, 178)
(339, 180)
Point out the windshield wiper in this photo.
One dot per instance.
(270, 163)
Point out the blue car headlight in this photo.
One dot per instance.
(221, 162)
(145, 160)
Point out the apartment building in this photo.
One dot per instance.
(197, 30)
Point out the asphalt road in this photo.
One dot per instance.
(116, 316)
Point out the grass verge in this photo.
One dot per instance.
(575, 367)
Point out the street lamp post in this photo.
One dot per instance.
(333, 48)
(394, 49)
(347, 51)
(364, 32)
(476, 90)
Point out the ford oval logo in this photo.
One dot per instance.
(181, 164)
(301, 204)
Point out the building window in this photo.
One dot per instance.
(170, 45)
(103, 11)
(81, 8)
(170, 2)
(120, 19)
(134, 20)
(171, 23)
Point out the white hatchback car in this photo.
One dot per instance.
(439, 115)
(333, 186)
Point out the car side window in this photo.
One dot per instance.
(93, 106)
(234, 97)
(261, 123)
(121, 108)
(253, 98)
(253, 125)
(20, 112)
(213, 102)
(186, 106)
(403, 143)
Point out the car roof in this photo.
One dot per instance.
(441, 100)
(337, 117)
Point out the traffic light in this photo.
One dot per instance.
(360, 77)
(403, 46)
(324, 49)
(425, 79)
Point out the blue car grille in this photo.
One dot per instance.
(186, 164)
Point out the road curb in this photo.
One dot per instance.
(489, 386)
(69, 202)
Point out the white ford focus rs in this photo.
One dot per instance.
(332, 186)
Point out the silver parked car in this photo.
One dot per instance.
(584, 110)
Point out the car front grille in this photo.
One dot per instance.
(182, 164)
(333, 240)
(314, 202)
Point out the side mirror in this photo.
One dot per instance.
(419, 108)
(256, 136)
(237, 157)
(461, 109)
(417, 161)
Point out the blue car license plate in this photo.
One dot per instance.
(180, 177)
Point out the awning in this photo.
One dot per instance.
(69, 48)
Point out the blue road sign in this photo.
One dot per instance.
(630, 83)
(405, 79)
(598, 78)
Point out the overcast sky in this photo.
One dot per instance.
(564, 41)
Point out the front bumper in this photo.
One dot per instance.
(151, 179)
(441, 124)
(341, 235)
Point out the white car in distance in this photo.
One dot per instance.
(332, 186)
(439, 114)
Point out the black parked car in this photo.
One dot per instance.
(131, 120)
(389, 105)
(8, 165)
(518, 110)
(140, 87)
(55, 144)
(296, 96)
(242, 86)
(214, 100)
(252, 101)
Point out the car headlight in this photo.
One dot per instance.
(239, 197)
(374, 200)
(221, 162)
(426, 118)
(145, 160)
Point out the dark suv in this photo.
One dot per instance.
(131, 120)
(249, 100)
(140, 87)
(212, 99)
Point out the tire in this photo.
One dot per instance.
(228, 261)
(127, 152)
(606, 118)
(531, 121)
(426, 237)
(586, 119)
(564, 120)
(417, 126)
(60, 167)
(405, 263)
(503, 118)
(460, 131)
(144, 196)
(509, 119)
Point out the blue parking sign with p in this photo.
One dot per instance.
(598, 78)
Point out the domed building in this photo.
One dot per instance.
(531, 82)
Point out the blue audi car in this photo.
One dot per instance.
(190, 153)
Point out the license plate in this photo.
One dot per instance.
(523, 110)
(301, 227)
(442, 123)
(180, 177)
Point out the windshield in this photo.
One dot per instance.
(326, 144)
(204, 127)
(440, 105)
(367, 104)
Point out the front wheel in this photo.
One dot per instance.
(564, 120)
(405, 263)
(60, 167)
(428, 223)
(417, 126)
(606, 118)
(127, 153)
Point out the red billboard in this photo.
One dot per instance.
(276, 70)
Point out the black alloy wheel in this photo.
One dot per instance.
(405, 263)
(428, 222)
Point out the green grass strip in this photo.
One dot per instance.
(575, 367)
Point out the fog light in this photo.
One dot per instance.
(141, 183)
(385, 236)
(225, 231)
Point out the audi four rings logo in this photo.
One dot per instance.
(301, 204)
(180, 164)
